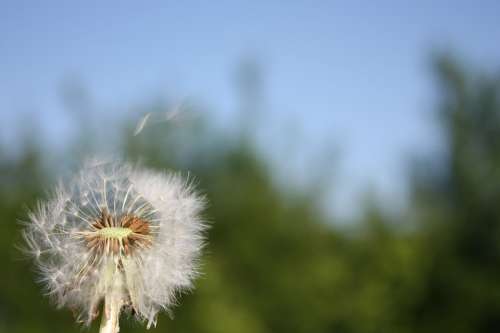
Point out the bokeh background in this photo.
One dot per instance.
(350, 152)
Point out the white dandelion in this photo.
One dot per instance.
(119, 235)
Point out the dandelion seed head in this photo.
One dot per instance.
(119, 230)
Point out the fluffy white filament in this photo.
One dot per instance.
(147, 278)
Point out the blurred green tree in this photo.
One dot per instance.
(455, 198)
(274, 262)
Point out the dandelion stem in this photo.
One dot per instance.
(111, 315)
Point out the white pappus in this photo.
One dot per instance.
(120, 235)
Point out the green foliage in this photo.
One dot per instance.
(274, 263)
(457, 202)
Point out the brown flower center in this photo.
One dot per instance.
(118, 235)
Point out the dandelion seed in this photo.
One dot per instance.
(133, 245)
(141, 124)
(176, 110)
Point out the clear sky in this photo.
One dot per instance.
(350, 75)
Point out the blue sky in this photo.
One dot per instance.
(350, 75)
